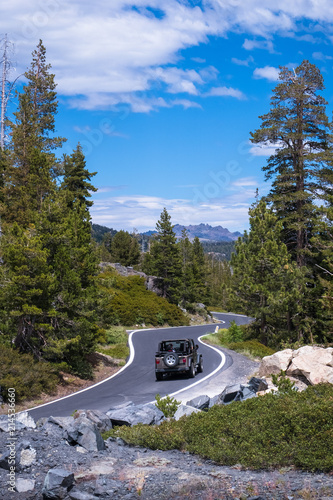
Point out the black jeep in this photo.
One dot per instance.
(178, 356)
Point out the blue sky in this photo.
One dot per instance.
(163, 95)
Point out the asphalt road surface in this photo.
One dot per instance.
(136, 381)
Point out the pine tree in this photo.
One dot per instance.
(301, 166)
(323, 242)
(187, 278)
(77, 178)
(30, 178)
(165, 258)
(267, 286)
(125, 249)
(199, 271)
(27, 290)
(218, 278)
(65, 230)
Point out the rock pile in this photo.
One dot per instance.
(309, 365)
(82, 432)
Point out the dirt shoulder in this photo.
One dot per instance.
(103, 368)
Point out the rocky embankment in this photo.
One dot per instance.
(66, 457)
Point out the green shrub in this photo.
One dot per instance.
(269, 431)
(28, 377)
(235, 333)
(167, 405)
(129, 303)
(253, 348)
(283, 383)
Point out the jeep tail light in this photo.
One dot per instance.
(184, 360)
(157, 361)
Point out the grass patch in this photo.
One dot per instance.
(118, 351)
(116, 335)
(233, 338)
(259, 433)
(116, 346)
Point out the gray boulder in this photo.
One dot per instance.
(57, 483)
(19, 426)
(230, 393)
(57, 426)
(158, 414)
(101, 420)
(247, 392)
(134, 414)
(257, 384)
(185, 410)
(200, 402)
(85, 433)
(4, 459)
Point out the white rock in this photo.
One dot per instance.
(312, 370)
(275, 363)
(28, 457)
(315, 354)
(23, 485)
(26, 419)
(80, 449)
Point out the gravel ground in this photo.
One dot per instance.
(121, 472)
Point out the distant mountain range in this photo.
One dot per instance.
(204, 232)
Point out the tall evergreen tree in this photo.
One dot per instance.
(30, 178)
(125, 249)
(218, 276)
(266, 284)
(187, 278)
(65, 231)
(77, 178)
(199, 271)
(27, 290)
(165, 258)
(301, 167)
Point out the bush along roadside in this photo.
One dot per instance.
(234, 338)
(275, 430)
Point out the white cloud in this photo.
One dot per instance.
(186, 103)
(226, 92)
(268, 72)
(242, 62)
(178, 80)
(245, 181)
(258, 44)
(321, 57)
(103, 51)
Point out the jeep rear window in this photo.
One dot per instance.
(174, 345)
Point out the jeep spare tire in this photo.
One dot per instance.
(171, 359)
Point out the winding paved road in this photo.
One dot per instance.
(136, 381)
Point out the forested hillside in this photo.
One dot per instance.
(52, 295)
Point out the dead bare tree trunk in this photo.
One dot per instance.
(6, 87)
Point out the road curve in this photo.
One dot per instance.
(136, 381)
